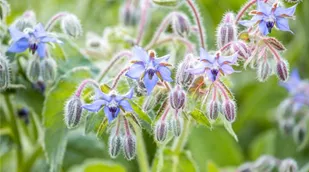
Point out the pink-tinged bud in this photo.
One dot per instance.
(71, 26)
(161, 131)
(264, 70)
(177, 98)
(129, 146)
(213, 110)
(242, 49)
(73, 112)
(27, 20)
(114, 145)
(288, 165)
(177, 125)
(229, 110)
(227, 30)
(183, 77)
(282, 70)
(181, 24)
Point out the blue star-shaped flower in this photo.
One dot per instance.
(34, 40)
(267, 17)
(149, 68)
(212, 65)
(293, 82)
(112, 103)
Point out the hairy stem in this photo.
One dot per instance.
(141, 28)
(116, 80)
(84, 84)
(243, 10)
(52, 21)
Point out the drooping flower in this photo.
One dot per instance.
(112, 103)
(148, 68)
(269, 16)
(35, 40)
(213, 65)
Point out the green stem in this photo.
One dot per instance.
(141, 152)
(33, 157)
(180, 141)
(13, 121)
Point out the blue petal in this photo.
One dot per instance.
(140, 54)
(263, 7)
(227, 69)
(126, 105)
(196, 71)
(100, 95)
(47, 39)
(39, 31)
(17, 34)
(285, 11)
(211, 76)
(165, 73)
(129, 95)
(135, 71)
(95, 106)
(263, 28)
(19, 46)
(110, 117)
(283, 24)
(41, 50)
(205, 56)
(253, 21)
(229, 59)
(150, 83)
(161, 59)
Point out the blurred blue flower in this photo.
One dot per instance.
(112, 103)
(268, 17)
(149, 68)
(293, 82)
(214, 64)
(34, 40)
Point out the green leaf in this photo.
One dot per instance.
(200, 118)
(229, 128)
(93, 121)
(263, 144)
(95, 165)
(141, 114)
(212, 167)
(55, 134)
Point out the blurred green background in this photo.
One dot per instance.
(255, 125)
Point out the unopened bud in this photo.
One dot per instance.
(213, 110)
(282, 70)
(177, 98)
(4, 72)
(242, 49)
(227, 30)
(265, 163)
(27, 20)
(73, 112)
(288, 165)
(34, 69)
(129, 145)
(181, 25)
(5, 9)
(229, 110)
(183, 77)
(129, 15)
(264, 70)
(114, 145)
(299, 133)
(177, 124)
(161, 131)
(246, 167)
(71, 26)
(48, 69)
(287, 125)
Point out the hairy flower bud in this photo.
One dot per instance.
(161, 131)
(129, 15)
(229, 110)
(299, 133)
(48, 69)
(129, 145)
(287, 125)
(227, 30)
(213, 110)
(246, 167)
(242, 49)
(264, 70)
(181, 24)
(5, 9)
(183, 77)
(114, 145)
(34, 69)
(73, 112)
(288, 165)
(282, 70)
(177, 98)
(27, 20)
(71, 26)
(4, 72)
(265, 163)
(177, 125)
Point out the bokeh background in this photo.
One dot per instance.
(255, 126)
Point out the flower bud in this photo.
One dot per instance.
(282, 70)
(246, 167)
(181, 24)
(229, 110)
(177, 124)
(177, 98)
(264, 70)
(34, 69)
(114, 145)
(5, 9)
(27, 20)
(287, 125)
(288, 165)
(213, 110)
(71, 26)
(48, 69)
(242, 49)
(4, 73)
(129, 15)
(161, 131)
(73, 112)
(227, 30)
(299, 133)
(265, 163)
(183, 77)
(129, 145)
